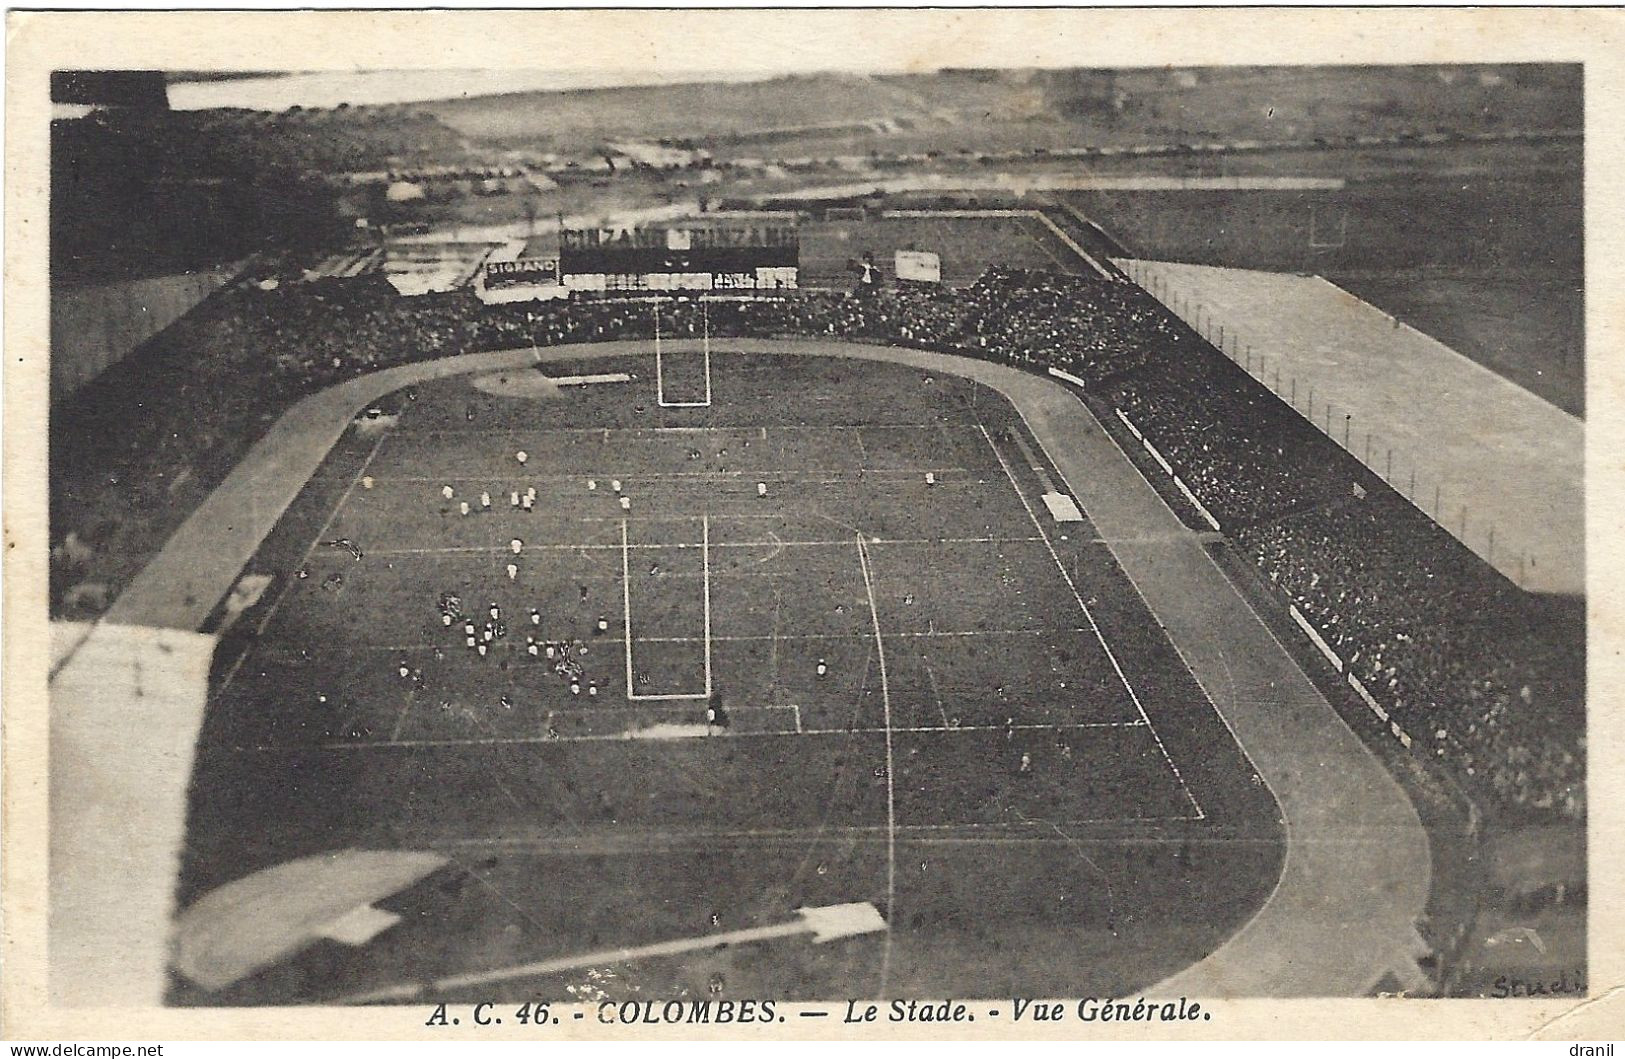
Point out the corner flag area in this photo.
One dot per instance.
(1497, 467)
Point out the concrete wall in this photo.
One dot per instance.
(95, 326)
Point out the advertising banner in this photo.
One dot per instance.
(919, 266)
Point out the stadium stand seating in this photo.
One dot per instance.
(1467, 662)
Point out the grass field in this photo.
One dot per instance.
(1004, 755)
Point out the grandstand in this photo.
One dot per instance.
(890, 594)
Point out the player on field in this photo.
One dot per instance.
(485, 501)
(715, 715)
(447, 492)
(513, 572)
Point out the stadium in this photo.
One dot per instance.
(908, 595)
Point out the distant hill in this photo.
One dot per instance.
(992, 109)
(580, 119)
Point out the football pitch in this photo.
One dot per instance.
(933, 690)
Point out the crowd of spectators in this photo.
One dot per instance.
(1461, 659)
(1244, 452)
(1460, 656)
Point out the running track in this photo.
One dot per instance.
(1357, 870)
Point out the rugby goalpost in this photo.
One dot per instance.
(660, 364)
(632, 694)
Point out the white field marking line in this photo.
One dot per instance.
(595, 711)
(773, 649)
(626, 606)
(705, 559)
(304, 560)
(784, 474)
(705, 310)
(774, 542)
(755, 638)
(1110, 655)
(935, 694)
(742, 428)
(1037, 465)
(891, 797)
(863, 454)
(568, 846)
(630, 736)
(778, 548)
(660, 380)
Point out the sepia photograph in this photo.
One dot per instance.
(805, 543)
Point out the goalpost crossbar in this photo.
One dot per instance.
(660, 363)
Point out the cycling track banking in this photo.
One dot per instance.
(1356, 871)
